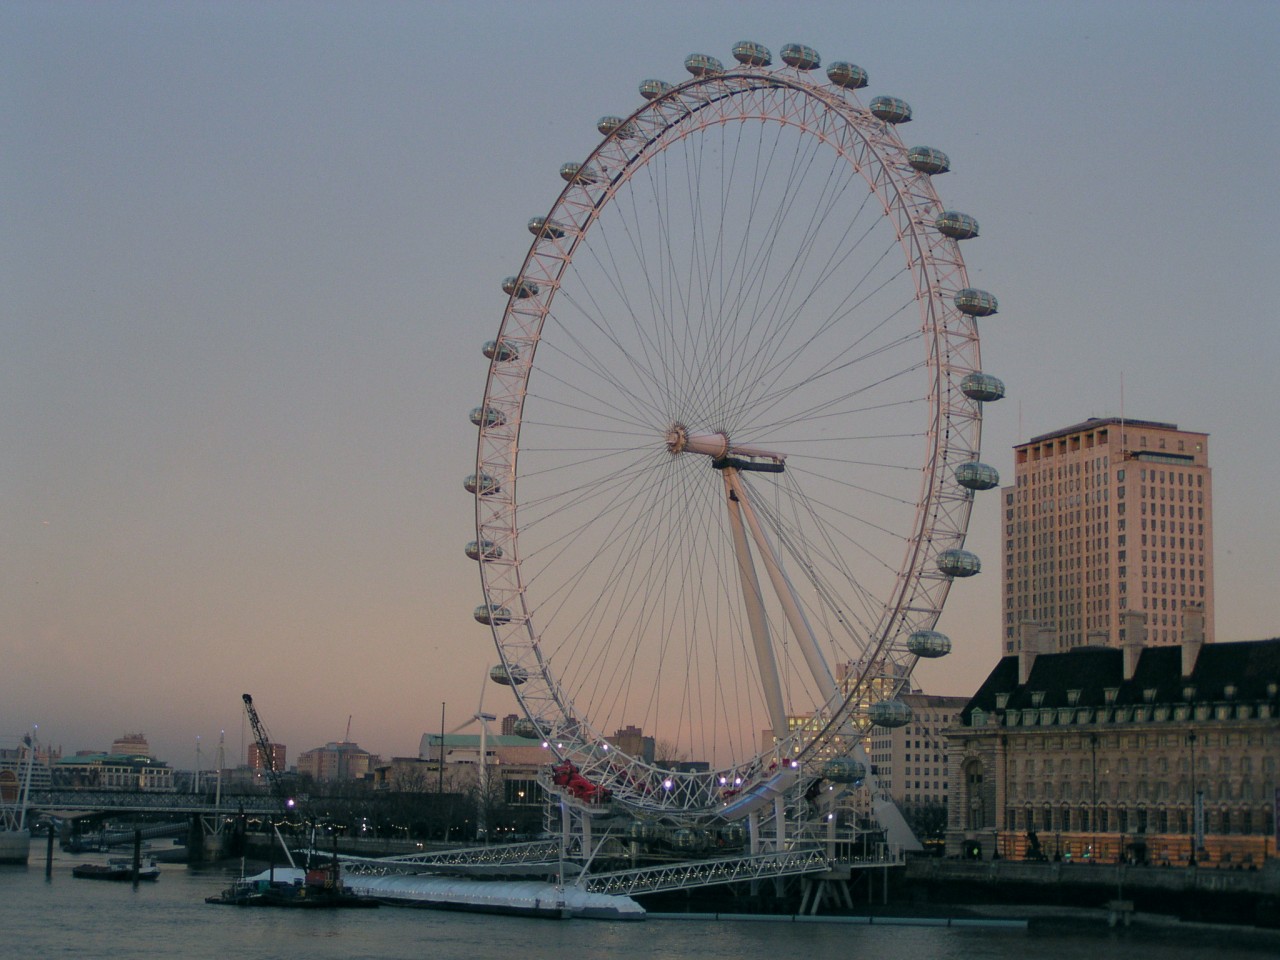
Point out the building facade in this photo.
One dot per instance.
(1160, 754)
(1105, 517)
(341, 760)
(910, 762)
(257, 758)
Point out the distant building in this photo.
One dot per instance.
(131, 744)
(106, 771)
(509, 725)
(512, 764)
(257, 759)
(910, 762)
(341, 760)
(632, 741)
(1147, 753)
(1105, 517)
(14, 760)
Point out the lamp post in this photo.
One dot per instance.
(1191, 741)
(1093, 817)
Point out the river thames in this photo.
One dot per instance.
(68, 917)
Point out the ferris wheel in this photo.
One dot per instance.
(728, 444)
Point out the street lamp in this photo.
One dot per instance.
(1191, 741)
(1093, 817)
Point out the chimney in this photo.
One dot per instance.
(1031, 639)
(1134, 623)
(1192, 637)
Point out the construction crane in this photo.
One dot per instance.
(267, 755)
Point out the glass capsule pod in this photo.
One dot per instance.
(499, 352)
(752, 54)
(847, 75)
(520, 289)
(542, 227)
(959, 563)
(890, 109)
(982, 386)
(653, 89)
(491, 614)
(977, 476)
(483, 550)
(733, 834)
(511, 676)
(957, 226)
(844, 770)
(928, 160)
(801, 57)
(578, 173)
(484, 485)
(618, 125)
(701, 65)
(929, 644)
(889, 713)
(975, 302)
(640, 830)
(487, 417)
(524, 727)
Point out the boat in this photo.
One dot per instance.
(292, 888)
(117, 868)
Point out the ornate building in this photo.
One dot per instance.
(1163, 754)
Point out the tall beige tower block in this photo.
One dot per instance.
(1106, 518)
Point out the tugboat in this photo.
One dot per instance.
(320, 889)
(117, 868)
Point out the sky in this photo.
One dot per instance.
(249, 252)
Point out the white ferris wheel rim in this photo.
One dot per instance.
(833, 117)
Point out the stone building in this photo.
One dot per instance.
(1161, 754)
(910, 761)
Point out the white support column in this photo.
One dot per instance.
(786, 594)
(754, 602)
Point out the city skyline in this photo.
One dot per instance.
(252, 252)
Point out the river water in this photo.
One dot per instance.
(67, 917)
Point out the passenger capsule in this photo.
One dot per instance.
(752, 54)
(500, 352)
(520, 289)
(487, 417)
(801, 57)
(511, 676)
(653, 89)
(958, 563)
(976, 303)
(889, 713)
(957, 226)
(578, 173)
(890, 109)
(542, 227)
(483, 550)
(701, 65)
(524, 727)
(929, 644)
(982, 386)
(608, 125)
(485, 485)
(977, 476)
(491, 614)
(847, 75)
(928, 160)
(844, 770)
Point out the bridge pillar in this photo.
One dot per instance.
(195, 840)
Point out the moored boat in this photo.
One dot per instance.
(117, 868)
(292, 888)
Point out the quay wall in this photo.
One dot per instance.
(1191, 893)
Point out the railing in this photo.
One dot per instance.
(79, 801)
(513, 854)
(705, 873)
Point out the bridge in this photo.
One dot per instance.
(64, 803)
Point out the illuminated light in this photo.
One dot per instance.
(667, 784)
